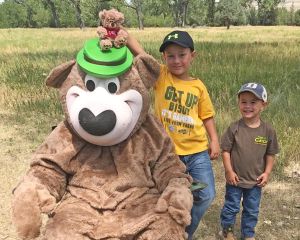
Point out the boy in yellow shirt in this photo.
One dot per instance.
(183, 105)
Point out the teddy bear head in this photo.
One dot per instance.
(111, 18)
(105, 94)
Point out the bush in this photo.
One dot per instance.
(297, 18)
(157, 21)
(282, 16)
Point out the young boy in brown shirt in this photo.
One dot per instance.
(248, 150)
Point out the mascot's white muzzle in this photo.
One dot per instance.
(103, 118)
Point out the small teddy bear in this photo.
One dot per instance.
(110, 32)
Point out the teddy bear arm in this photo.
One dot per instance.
(122, 33)
(119, 42)
(102, 32)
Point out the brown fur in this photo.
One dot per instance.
(136, 189)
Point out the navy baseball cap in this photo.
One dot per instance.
(257, 89)
(180, 38)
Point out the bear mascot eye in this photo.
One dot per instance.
(90, 85)
(112, 87)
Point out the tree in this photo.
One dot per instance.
(29, 9)
(37, 13)
(67, 14)
(252, 16)
(76, 4)
(267, 11)
(210, 12)
(297, 17)
(137, 6)
(53, 10)
(12, 15)
(292, 15)
(230, 11)
(157, 13)
(179, 9)
(197, 13)
(86, 11)
(282, 16)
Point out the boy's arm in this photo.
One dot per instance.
(134, 46)
(231, 177)
(214, 146)
(262, 180)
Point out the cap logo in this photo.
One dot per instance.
(175, 35)
(251, 85)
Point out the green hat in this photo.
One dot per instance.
(103, 64)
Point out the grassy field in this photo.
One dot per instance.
(226, 59)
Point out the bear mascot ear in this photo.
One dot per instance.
(148, 69)
(59, 74)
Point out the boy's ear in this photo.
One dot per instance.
(59, 74)
(148, 69)
(194, 54)
(265, 104)
(163, 57)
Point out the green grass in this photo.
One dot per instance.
(226, 59)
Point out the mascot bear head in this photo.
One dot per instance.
(105, 96)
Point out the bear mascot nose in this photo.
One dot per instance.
(98, 125)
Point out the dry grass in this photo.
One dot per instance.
(27, 55)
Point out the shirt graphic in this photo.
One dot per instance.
(177, 113)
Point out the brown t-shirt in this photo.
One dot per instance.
(248, 148)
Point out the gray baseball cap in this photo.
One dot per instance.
(257, 89)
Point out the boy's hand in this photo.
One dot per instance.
(231, 178)
(214, 150)
(262, 180)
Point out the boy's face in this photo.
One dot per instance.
(250, 106)
(178, 60)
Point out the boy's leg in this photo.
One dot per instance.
(251, 201)
(199, 167)
(231, 206)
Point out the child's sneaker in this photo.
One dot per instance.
(227, 234)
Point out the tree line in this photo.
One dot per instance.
(150, 13)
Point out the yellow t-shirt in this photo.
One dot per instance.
(181, 106)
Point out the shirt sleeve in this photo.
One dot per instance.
(227, 140)
(272, 147)
(162, 73)
(206, 109)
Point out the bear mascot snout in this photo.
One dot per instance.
(108, 170)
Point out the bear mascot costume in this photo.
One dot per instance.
(108, 171)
